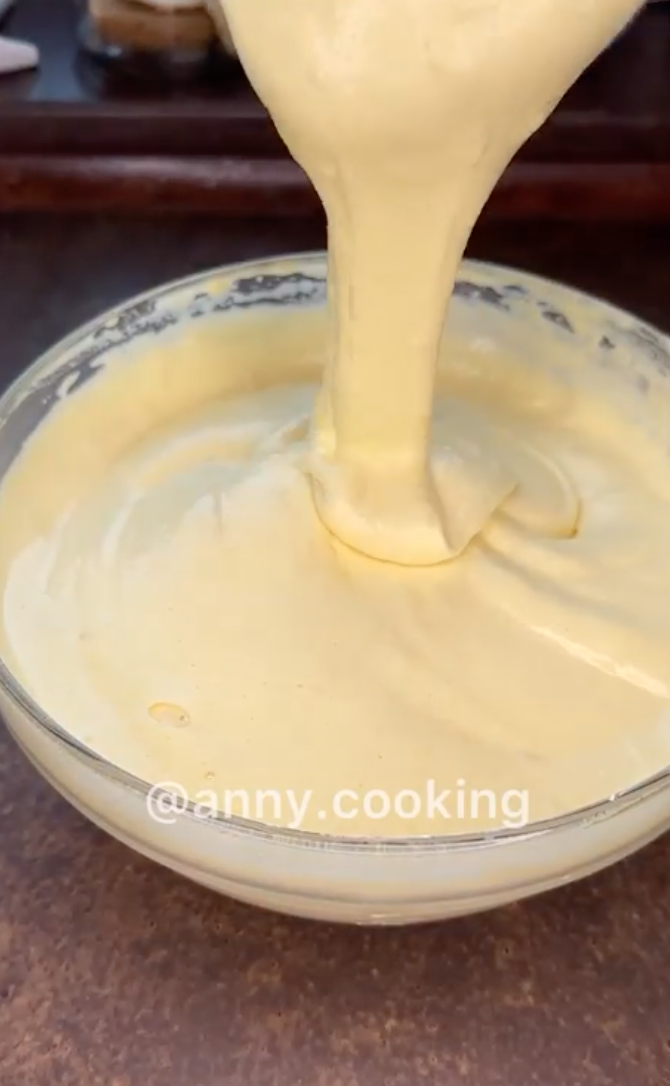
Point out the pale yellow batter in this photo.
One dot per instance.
(171, 595)
(404, 113)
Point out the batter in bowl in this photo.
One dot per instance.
(451, 566)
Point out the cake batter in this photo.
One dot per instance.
(481, 594)
(404, 113)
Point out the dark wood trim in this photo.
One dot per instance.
(240, 127)
(255, 187)
(278, 188)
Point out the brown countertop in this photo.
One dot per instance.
(114, 972)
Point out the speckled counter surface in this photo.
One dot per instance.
(114, 972)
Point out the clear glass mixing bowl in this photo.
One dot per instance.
(359, 881)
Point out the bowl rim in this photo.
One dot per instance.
(250, 829)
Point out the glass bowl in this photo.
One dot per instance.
(399, 881)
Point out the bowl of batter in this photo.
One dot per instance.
(340, 585)
(201, 666)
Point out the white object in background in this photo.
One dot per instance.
(17, 56)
